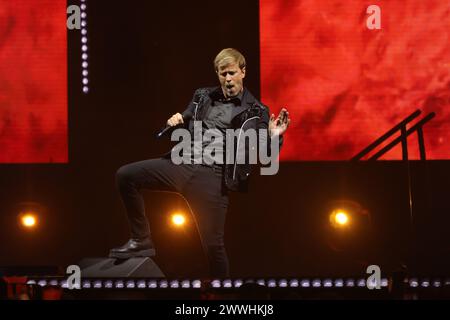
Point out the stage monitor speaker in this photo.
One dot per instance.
(119, 268)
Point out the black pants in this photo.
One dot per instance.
(201, 186)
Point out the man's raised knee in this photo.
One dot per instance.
(123, 175)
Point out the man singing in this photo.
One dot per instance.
(204, 185)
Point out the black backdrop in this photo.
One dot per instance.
(146, 58)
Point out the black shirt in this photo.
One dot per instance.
(218, 120)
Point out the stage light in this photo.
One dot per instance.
(178, 219)
(238, 283)
(362, 283)
(425, 283)
(350, 283)
(339, 283)
(53, 282)
(347, 229)
(86, 284)
(316, 283)
(163, 284)
(305, 283)
(293, 283)
(215, 284)
(185, 284)
(413, 283)
(196, 284)
(339, 218)
(227, 283)
(327, 283)
(271, 283)
(437, 283)
(42, 283)
(174, 284)
(84, 48)
(28, 220)
(282, 283)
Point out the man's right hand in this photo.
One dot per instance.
(175, 120)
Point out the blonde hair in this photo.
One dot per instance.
(227, 56)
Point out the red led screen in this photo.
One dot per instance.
(33, 81)
(345, 84)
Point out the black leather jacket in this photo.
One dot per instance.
(251, 114)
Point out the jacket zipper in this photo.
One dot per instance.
(195, 113)
(237, 149)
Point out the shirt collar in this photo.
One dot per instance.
(218, 96)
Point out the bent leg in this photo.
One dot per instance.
(154, 174)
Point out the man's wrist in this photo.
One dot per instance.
(274, 132)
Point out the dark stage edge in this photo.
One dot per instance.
(351, 288)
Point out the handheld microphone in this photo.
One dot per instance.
(187, 115)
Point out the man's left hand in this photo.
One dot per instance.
(279, 125)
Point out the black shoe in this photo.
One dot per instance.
(134, 248)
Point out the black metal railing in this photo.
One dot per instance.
(402, 138)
